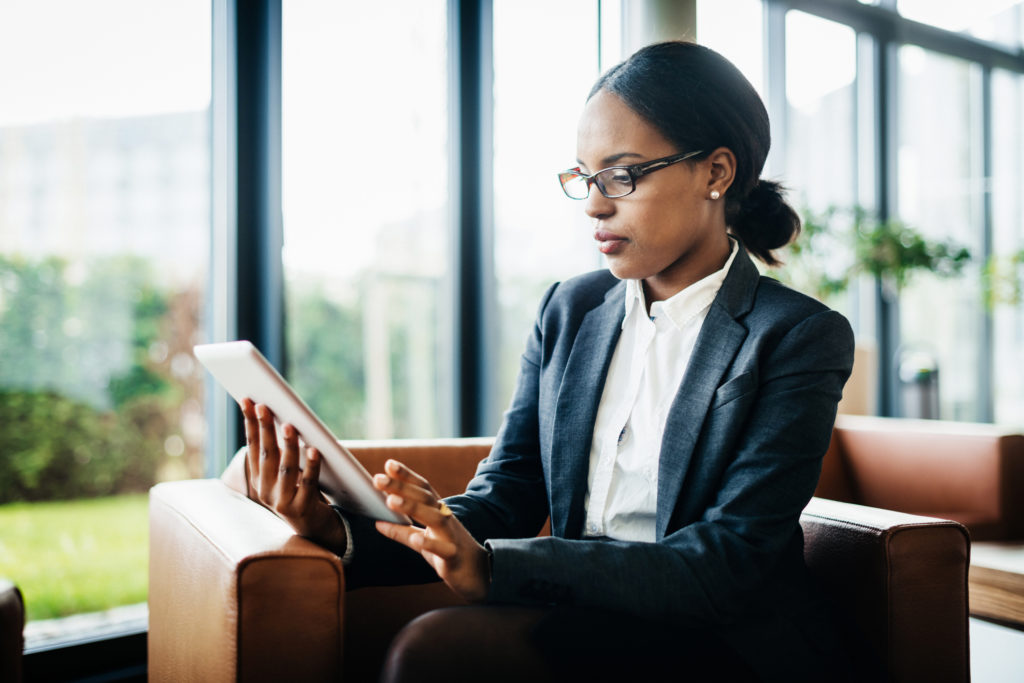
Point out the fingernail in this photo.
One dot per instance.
(395, 501)
(381, 479)
(391, 466)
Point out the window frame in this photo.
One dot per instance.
(887, 31)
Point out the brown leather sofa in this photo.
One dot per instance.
(971, 473)
(236, 596)
(12, 625)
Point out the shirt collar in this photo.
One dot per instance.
(684, 305)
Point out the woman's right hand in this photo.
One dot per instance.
(276, 481)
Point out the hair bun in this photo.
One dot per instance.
(764, 221)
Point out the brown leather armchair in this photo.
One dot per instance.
(235, 595)
(12, 625)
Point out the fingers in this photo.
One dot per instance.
(309, 485)
(401, 473)
(410, 494)
(252, 441)
(400, 480)
(269, 456)
(420, 540)
(288, 471)
(432, 514)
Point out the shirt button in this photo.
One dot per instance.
(592, 529)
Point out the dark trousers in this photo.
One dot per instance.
(560, 644)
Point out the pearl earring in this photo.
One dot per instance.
(715, 194)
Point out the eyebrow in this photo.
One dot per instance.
(612, 159)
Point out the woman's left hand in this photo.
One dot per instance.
(454, 554)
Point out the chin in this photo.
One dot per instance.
(623, 271)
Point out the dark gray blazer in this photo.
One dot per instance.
(740, 459)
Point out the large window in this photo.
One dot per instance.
(367, 242)
(940, 194)
(821, 70)
(540, 235)
(104, 227)
(822, 150)
(916, 126)
(1006, 296)
(735, 29)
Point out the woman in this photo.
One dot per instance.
(670, 417)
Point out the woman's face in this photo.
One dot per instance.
(668, 232)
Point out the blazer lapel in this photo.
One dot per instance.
(576, 411)
(720, 338)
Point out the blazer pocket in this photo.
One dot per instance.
(740, 385)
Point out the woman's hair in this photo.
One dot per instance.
(697, 99)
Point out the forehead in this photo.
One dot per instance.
(608, 127)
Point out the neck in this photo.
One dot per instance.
(685, 272)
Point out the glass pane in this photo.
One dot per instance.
(734, 29)
(821, 69)
(104, 231)
(939, 194)
(821, 114)
(1007, 266)
(540, 235)
(365, 202)
(1000, 21)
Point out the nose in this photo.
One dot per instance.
(597, 205)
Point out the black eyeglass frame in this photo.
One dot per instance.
(635, 171)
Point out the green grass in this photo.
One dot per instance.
(76, 556)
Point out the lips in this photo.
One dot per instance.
(609, 242)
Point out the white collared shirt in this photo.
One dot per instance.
(646, 370)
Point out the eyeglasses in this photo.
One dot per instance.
(615, 181)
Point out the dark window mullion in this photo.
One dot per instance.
(246, 284)
(471, 115)
(887, 146)
(986, 347)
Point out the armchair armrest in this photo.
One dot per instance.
(900, 579)
(12, 625)
(234, 594)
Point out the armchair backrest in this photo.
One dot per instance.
(971, 473)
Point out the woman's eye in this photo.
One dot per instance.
(619, 177)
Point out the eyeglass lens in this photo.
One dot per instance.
(612, 182)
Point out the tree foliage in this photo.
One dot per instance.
(88, 395)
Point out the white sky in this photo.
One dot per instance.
(102, 58)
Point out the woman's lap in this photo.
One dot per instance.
(506, 643)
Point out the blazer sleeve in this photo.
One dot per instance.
(710, 568)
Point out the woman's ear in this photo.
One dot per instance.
(722, 170)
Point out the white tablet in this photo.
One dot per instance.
(245, 373)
